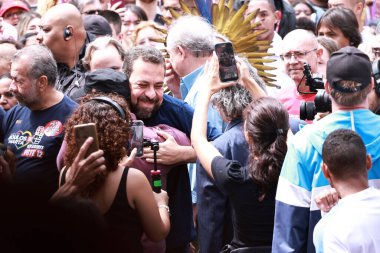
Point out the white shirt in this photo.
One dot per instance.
(353, 225)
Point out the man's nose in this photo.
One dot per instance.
(150, 92)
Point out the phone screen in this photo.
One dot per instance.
(82, 132)
(137, 140)
(227, 65)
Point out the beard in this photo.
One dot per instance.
(144, 112)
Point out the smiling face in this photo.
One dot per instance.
(146, 82)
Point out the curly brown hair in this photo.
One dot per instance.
(113, 131)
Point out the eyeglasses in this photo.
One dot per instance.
(11, 14)
(296, 54)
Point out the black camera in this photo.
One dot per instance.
(322, 103)
(376, 76)
(314, 82)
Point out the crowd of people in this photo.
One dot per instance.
(242, 168)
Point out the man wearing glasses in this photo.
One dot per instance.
(299, 47)
(11, 10)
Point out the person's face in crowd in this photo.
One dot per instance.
(130, 22)
(147, 36)
(146, 82)
(50, 34)
(267, 16)
(349, 4)
(93, 7)
(302, 10)
(33, 25)
(24, 88)
(7, 98)
(295, 54)
(12, 16)
(335, 34)
(171, 4)
(107, 57)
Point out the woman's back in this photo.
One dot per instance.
(252, 219)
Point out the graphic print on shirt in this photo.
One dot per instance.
(26, 139)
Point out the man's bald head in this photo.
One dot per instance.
(65, 14)
(7, 50)
(62, 31)
(299, 47)
(300, 35)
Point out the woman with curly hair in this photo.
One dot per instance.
(250, 189)
(123, 195)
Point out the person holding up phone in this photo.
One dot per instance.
(123, 195)
(251, 189)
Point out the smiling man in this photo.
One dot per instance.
(299, 47)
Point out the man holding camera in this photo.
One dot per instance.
(348, 83)
(299, 47)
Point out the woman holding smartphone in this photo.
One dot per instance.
(251, 189)
(123, 195)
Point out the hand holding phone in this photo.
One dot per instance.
(82, 132)
(137, 140)
(227, 64)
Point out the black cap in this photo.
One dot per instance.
(107, 81)
(349, 64)
(97, 25)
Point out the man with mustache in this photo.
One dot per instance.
(299, 47)
(145, 67)
(33, 129)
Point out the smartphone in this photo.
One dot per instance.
(137, 140)
(227, 64)
(82, 132)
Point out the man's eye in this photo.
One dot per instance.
(299, 54)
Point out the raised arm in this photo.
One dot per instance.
(211, 83)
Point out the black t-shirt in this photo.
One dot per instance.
(252, 220)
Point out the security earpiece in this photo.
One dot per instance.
(66, 33)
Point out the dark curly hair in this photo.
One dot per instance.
(267, 125)
(113, 132)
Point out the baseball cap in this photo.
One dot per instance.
(350, 64)
(97, 25)
(13, 4)
(107, 81)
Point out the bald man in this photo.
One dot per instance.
(299, 47)
(7, 50)
(62, 31)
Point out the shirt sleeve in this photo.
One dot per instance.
(227, 174)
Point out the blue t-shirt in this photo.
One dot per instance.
(35, 138)
(178, 114)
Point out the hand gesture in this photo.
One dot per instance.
(168, 153)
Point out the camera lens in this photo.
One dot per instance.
(307, 110)
(322, 102)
